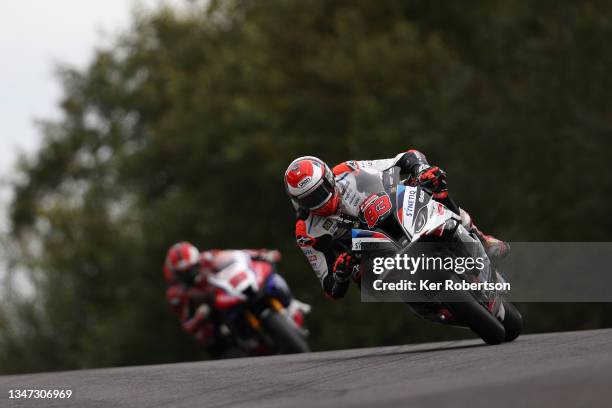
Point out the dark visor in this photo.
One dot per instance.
(316, 197)
(188, 275)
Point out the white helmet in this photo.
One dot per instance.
(311, 184)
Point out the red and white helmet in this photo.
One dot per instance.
(183, 261)
(311, 184)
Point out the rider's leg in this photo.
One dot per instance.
(496, 249)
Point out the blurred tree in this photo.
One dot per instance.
(182, 130)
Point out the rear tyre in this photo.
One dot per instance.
(284, 334)
(513, 322)
(467, 310)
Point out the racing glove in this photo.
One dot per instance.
(272, 256)
(434, 179)
(202, 312)
(200, 316)
(344, 267)
(267, 255)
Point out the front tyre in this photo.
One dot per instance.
(284, 334)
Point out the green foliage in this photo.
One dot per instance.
(183, 129)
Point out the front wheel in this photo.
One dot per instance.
(285, 335)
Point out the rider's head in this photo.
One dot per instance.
(310, 183)
(183, 260)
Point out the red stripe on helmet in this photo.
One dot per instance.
(298, 172)
(174, 255)
(185, 255)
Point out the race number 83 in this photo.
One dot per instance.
(375, 208)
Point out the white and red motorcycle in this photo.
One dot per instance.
(256, 305)
(401, 219)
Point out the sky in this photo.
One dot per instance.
(36, 35)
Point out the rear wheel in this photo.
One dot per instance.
(284, 334)
(513, 321)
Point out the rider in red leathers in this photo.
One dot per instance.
(189, 293)
(328, 202)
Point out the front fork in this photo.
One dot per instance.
(255, 322)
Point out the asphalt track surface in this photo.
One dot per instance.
(572, 369)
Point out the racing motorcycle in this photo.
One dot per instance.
(253, 304)
(403, 219)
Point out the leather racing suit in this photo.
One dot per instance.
(323, 239)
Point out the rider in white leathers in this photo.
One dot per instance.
(329, 201)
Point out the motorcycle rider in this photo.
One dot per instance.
(329, 201)
(194, 299)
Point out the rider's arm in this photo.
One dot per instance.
(414, 164)
(411, 163)
(194, 314)
(175, 295)
(266, 255)
(320, 254)
(180, 301)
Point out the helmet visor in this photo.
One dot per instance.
(189, 275)
(317, 196)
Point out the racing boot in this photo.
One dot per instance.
(496, 249)
(296, 312)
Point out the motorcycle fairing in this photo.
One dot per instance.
(366, 240)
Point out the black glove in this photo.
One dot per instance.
(434, 180)
(344, 267)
